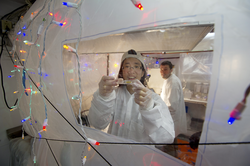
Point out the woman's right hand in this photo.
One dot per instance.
(107, 85)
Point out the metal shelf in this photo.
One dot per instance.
(195, 101)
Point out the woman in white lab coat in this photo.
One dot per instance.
(132, 110)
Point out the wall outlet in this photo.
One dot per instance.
(6, 25)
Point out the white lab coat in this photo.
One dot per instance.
(127, 120)
(172, 94)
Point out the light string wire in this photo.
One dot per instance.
(79, 71)
(52, 152)
(22, 77)
(40, 62)
(80, 82)
(19, 25)
(2, 82)
(33, 144)
(246, 94)
(33, 127)
(25, 71)
(33, 150)
(23, 93)
(24, 63)
(37, 14)
(26, 59)
(146, 143)
(31, 92)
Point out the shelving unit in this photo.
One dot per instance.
(195, 101)
(195, 126)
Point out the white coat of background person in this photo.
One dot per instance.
(133, 111)
(172, 95)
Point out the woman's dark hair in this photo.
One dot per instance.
(167, 63)
(133, 52)
(143, 81)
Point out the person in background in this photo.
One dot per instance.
(172, 95)
(132, 110)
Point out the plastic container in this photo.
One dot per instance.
(197, 90)
(197, 87)
(187, 93)
(205, 87)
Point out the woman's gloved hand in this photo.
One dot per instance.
(107, 85)
(143, 96)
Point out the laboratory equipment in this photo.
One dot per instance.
(205, 87)
(197, 90)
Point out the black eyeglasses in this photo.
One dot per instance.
(135, 68)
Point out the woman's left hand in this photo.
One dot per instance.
(143, 96)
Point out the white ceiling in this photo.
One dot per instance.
(174, 39)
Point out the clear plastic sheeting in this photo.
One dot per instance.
(56, 152)
(28, 151)
(207, 43)
(93, 67)
(120, 157)
(196, 71)
(196, 66)
(19, 152)
(52, 68)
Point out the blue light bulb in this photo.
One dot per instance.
(157, 62)
(231, 120)
(18, 33)
(23, 120)
(64, 3)
(24, 27)
(40, 136)
(61, 24)
(24, 34)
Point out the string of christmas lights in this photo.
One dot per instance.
(24, 90)
(24, 78)
(30, 43)
(70, 49)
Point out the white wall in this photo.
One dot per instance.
(155, 81)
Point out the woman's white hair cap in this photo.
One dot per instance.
(137, 56)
